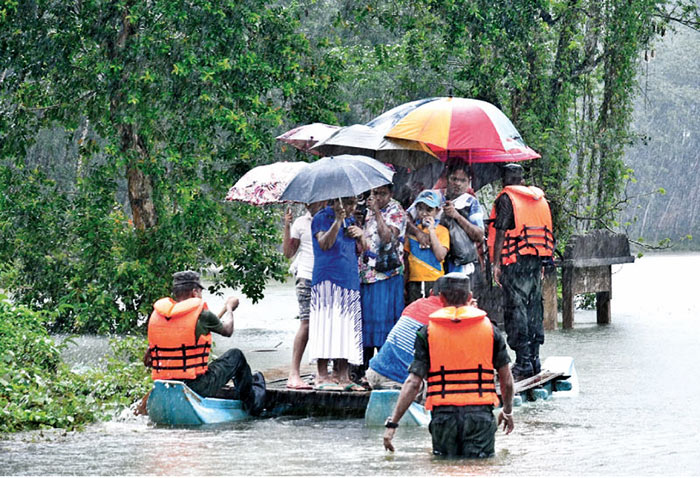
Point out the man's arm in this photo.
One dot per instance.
(409, 390)
(497, 248)
(229, 307)
(505, 378)
(290, 245)
(413, 230)
(475, 233)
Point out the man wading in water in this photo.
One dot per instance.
(458, 352)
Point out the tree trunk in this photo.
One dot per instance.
(140, 184)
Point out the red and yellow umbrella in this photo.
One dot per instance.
(459, 127)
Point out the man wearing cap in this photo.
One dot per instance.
(424, 263)
(179, 343)
(458, 353)
(520, 239)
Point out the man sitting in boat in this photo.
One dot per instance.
(458, 352)
(179, 343)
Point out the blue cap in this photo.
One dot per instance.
(429, 198)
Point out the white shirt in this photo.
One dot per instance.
(304, 261)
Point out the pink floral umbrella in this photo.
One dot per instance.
(306, 136)
(264, 184)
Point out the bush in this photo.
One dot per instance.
(38, 390)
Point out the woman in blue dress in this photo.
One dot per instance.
(335, 321)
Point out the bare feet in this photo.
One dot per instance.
(296, 383)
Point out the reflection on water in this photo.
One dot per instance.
(636, 413)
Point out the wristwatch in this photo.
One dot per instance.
(389, 424)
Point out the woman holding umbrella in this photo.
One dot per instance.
(335, 319)
(335, 325)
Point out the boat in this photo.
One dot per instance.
(558, 379)
(173, 403)
(381, 405)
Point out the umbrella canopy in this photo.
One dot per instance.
(306, 136)
(364, 140)
(264, 184)
(458, 127)
(337, 176)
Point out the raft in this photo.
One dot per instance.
(173, 403)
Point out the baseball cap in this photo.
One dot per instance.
(429, 198)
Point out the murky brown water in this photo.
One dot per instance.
(636, 413)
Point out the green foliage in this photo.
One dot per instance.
(37, 390)
(565, 72)
(159, 107)
(122, 124)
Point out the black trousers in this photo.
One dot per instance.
(468, 432)
(523, 312)
(231, 365)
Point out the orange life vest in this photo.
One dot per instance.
(176, 352)
(460, 343)
(532, 234)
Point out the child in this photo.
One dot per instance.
(425, 264)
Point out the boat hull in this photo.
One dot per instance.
(381, 405)
(173, 403)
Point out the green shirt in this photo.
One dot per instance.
(208, 322)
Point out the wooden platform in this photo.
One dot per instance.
(284, 401)
(339, 404)
(281, 400)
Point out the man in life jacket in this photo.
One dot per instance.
(520, 240)
(458, 352)
(179, 342)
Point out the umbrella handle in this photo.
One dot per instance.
(340, 200)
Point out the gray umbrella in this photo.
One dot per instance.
(368, 141)
(335, 177)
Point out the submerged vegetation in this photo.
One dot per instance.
(38, 390)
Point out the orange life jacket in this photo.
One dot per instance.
(176, 352)
(532, 234)
(460, 343)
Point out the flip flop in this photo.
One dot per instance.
(329, 387)
(304, 386)
(353, 387)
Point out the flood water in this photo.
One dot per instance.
(637, 413)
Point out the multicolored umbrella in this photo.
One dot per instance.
(360, 139)
(471, 129)
(265, 184)
(336, 177)
(306, 136)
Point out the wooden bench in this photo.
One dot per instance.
(586, 267)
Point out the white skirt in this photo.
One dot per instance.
(335, 323)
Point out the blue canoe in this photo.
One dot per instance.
(558, 378)
(173, 403)
(381, 405)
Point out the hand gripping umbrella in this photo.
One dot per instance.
(336, 177)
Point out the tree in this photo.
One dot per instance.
(564, 71)
(171, 100)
